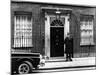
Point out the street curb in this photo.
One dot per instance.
(68, 67)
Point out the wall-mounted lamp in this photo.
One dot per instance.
(58, 13)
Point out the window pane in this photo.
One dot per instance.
(86, 27)
(23, 31)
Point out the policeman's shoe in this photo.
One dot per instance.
(70, 59)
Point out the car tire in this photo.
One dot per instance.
(24, 67)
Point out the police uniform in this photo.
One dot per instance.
(68, 48)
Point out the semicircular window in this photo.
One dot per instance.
(57, 23)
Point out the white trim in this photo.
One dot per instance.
(47, 36)
(51, 8)
(66, 26)
(47, 32)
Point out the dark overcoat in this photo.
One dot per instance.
(68, 45)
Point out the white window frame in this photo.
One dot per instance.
(87, 38)
(24, 40)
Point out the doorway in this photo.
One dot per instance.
(56, 38)
(55, 32)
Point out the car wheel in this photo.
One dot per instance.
(24, 68)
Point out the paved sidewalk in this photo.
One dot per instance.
(57, 65)
(77, 62)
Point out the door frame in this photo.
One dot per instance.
(47, 32)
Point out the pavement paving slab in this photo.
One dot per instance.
(89, 61)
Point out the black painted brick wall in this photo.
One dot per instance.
(39, 26)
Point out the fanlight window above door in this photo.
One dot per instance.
(57, 22)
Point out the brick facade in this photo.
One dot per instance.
(38, 24)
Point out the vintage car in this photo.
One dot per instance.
(23, 63)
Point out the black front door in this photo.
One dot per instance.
(56, 41)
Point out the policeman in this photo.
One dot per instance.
(68, 47)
